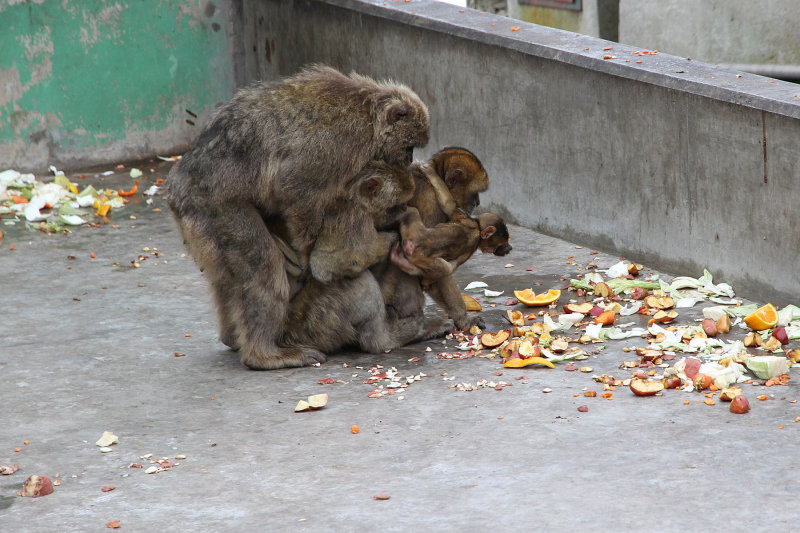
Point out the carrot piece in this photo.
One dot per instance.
(131, 192)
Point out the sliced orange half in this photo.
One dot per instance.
(763, 318)
(529, 298)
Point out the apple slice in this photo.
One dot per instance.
(724, 324)
(665, 316)
(516, 317)
(492, 340)
(36, 486)
(646, 387)
(710, 327)
(602, 290)
(582, 308)
(659, 302)
(639, 293)
(318, 401)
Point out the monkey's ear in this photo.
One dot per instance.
(487, 232)
(369, 187)
(454, 177)
(397, 112)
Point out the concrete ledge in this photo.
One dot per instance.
(670, 161)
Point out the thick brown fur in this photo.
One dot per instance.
(282, 151)
(465, 178)
(433, 253)
(348, 310)
(350, 241)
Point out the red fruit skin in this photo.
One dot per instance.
(739, 405)
(596, 311)
(781, 335)
(692, 367)
(36, 486)
(639, 293)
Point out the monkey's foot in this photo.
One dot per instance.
(436, 328)
(471, 319)
(282, 358)
(231, 340)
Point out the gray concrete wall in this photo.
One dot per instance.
(718, 31)
(658, 158)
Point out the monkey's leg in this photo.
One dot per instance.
(206, 254)
(445, 292)
(254, 266)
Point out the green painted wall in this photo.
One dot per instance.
(82, 80)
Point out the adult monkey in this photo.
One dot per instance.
(285, 151)
(383, 308)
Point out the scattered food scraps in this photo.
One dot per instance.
(314, 402)
(7, 470)
(107, 439)
(36, 486)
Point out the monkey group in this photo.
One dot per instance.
(302, 205)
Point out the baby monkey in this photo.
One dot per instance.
(433, 253)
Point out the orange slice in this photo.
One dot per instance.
(471, 303)
(763, 318)
(519, 362)
(529, 298)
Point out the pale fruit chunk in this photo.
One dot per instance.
(659, 302)
(318, 401)
(36, 486)
(646, 387)
(491, 340)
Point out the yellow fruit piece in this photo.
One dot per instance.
(103, 209)
(519, 363)
(763, 318)
(72, 188)
(529, 298)
(471, 303)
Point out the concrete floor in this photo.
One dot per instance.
(88, 345)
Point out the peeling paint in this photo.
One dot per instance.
(80, 74)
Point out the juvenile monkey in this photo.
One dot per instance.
(433, 253)
(282, 153)
(465, 177)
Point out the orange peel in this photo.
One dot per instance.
(764, 317)
(530, 299)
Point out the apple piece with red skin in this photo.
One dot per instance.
(639, 293)
(582, 308)
(781, 335)
(673, 382)
(739, 405)
(602, 290)
(596, 311)
(645, 387)
(692, 367)
(36, 486)
(710, 327)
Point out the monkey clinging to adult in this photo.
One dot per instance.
(281, 151)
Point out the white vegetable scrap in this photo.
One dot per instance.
(107, 439)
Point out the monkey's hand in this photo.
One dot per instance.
(400, 260)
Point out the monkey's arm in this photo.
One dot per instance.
(443, 194)
(330, 259)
